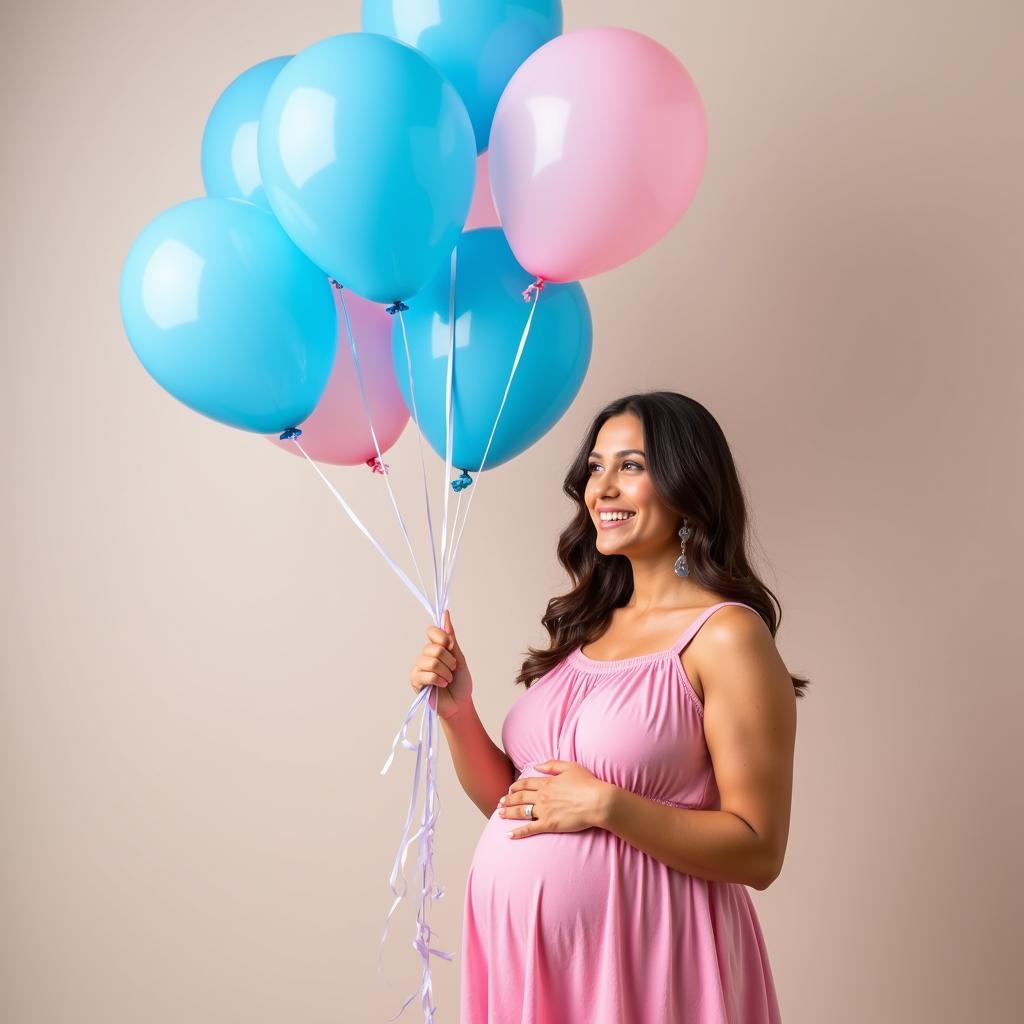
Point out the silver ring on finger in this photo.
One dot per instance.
(528, 811)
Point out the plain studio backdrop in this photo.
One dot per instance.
(204, 663)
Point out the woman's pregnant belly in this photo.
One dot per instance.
(557, 882)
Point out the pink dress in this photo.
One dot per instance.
(582, 927)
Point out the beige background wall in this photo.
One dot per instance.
(204, 664)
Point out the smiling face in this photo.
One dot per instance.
(628, 514)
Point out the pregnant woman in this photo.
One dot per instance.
(646, 775)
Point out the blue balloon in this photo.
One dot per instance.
(477, 44)
(490, 316)
(368, 161)
(228, 316)
(230, 167)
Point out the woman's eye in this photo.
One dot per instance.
(631, 463)
(593, 466)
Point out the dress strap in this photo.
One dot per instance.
(692, 629)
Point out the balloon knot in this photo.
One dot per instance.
(337, 284)
(377, 466)
(462, 482)
(537, 286)
(290, 433)
(397, 306)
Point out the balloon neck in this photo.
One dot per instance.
(376, 465)
(398, 306)
(337, 284)
(290, 434)
(462, 482)
(534, 289)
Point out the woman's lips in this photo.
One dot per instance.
(611, 524)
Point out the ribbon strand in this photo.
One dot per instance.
(425, 701)
(536, 290)
(377, 464)
(413, 589)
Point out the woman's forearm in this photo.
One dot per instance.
(716, 845)
(483, 768)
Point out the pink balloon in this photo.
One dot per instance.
(596, 150)
(482, 213)
(337, 430)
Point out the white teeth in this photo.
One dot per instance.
(607, 517)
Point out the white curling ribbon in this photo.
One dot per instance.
(398, 869)
(424, 932)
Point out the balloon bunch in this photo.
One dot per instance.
(377, 208)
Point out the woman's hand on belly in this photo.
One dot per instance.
(571, 800)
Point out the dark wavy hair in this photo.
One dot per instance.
(693, 472)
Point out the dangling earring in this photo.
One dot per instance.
(682, 569)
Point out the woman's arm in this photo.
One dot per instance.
(715, 845)
(750, 729)
(483, 768)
